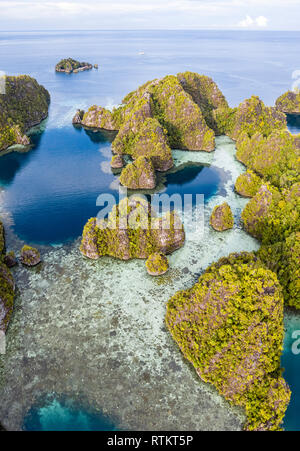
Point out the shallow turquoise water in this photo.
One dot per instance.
(55, 414)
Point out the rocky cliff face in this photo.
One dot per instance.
(289, 103)
(206, 94)
(252, 116)
(222, 218)
(248, 184)
(139, 175)
(24, 104)
(70, 65)
(180, 111)
(132, 231)
(7, 287)
(230, 327)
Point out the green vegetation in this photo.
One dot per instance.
(24, 104)
(248, 184)
(70, 65)
(7, 286)
(275, 158)
(30, 256)
(206, 94)
(132, 231)
(157, 264)
(222, 218)
(139, 175)
(230, 327)
(252, 117)
(289, 102)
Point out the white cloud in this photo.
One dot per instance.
(260, 21)
(246, 22)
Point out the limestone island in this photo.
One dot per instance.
(24, 104)
(289, 102)
(69, 65)
(133, 230)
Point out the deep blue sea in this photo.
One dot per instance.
(51, 191)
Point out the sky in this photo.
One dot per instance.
(149, 14)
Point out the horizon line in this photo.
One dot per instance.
(148, 29)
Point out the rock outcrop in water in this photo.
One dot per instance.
(7, 287)
(157, 264)
(132, 230)
(222, 218)
(230, 327)
(183, 111)
(289, 102)
(24, 104)
(70, 65)
(139, 175)
(248, 184)
(117, 162)
(30, 256)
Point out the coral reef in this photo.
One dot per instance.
(30, 256)
(157, 264)
(132, 230)
(222, 218)
(289, 102)
(70, 65)
(248, 184)
(24, 104)
(139, 175)
(230, 327)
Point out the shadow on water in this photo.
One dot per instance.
(293, 121)
(64, 414)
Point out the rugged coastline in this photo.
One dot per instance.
(24, 104)
(190, 112)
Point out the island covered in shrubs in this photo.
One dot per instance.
(24, 104)
(69, 65)
(230, 324)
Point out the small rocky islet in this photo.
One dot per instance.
(230, 324)
(69, 66)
